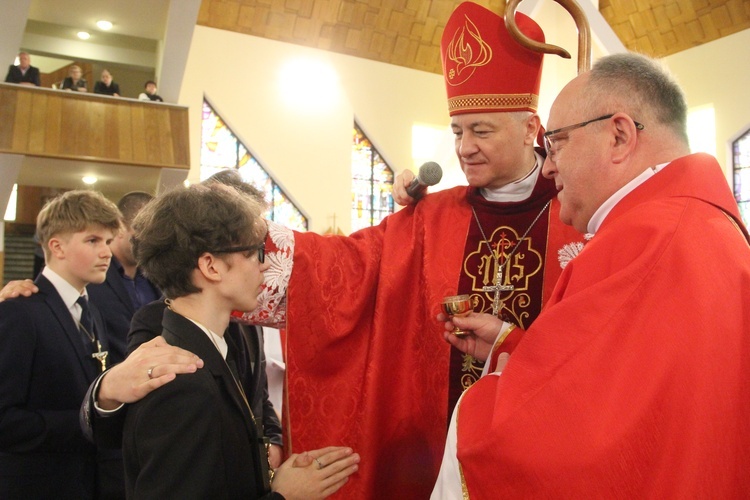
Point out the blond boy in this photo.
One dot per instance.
(52, 345)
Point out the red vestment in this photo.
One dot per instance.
(367, 366)
(634, 382)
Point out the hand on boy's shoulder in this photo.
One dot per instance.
(17, 288)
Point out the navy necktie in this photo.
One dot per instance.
(86, 326)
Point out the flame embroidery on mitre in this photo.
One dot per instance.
(467, 51)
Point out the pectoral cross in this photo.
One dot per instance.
(497, 288)
(100, 355)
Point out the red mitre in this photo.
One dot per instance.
(485, 69)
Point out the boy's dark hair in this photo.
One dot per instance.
(176, 228)
(147, 82)
(74, 211)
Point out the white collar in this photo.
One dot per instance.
(67, 292)
(519, 190)
(218, 341)
(606, 207)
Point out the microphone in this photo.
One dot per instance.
(429, 174)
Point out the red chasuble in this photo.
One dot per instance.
(367, 366)
(635, 380)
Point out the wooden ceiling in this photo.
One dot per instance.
(407, 32)
(664, 27)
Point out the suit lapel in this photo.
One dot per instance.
(247, 342)
(188, 336)
(63, 316)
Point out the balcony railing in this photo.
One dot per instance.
(58, 124)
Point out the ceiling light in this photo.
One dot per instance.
(89, 179)
(104, 25)
(83, 35)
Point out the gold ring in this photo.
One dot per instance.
(320, 464)
(150, 372)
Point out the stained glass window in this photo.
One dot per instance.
(741, 164)
(372, 183)
(222, 149)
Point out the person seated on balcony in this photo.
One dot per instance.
(106, 86)
(150, 93)
(24, 73)
(74, 81)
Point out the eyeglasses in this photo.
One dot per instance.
(549, 142)
(261, 248)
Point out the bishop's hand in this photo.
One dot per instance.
(402, 181)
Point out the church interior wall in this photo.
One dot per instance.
(308, 151)
(716, 73)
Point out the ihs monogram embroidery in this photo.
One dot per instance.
(525, 263)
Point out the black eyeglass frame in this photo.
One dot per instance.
(547, 135)
(261, 248)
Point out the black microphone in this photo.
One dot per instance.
(429, 174)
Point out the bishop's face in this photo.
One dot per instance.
(493, 147)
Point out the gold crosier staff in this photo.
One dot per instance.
(584, 33)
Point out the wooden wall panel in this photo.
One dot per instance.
(7, 110)
(111, 133)
(125, 136)
(49, 123)
(22, 122)
(138, 132)
(180, 137)
(38, 130)
(96, 126)
(52, 125)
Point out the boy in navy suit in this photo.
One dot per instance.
(52, 345)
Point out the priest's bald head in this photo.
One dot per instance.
(492, 84)
(607, 126)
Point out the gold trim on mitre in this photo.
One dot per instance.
(488, 102)
(466, 52)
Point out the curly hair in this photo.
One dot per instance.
(177, 227)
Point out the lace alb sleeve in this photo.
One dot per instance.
(271, 310)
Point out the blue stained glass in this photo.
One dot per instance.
(221, 149)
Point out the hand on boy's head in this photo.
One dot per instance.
(17, 288)
(149, 367)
